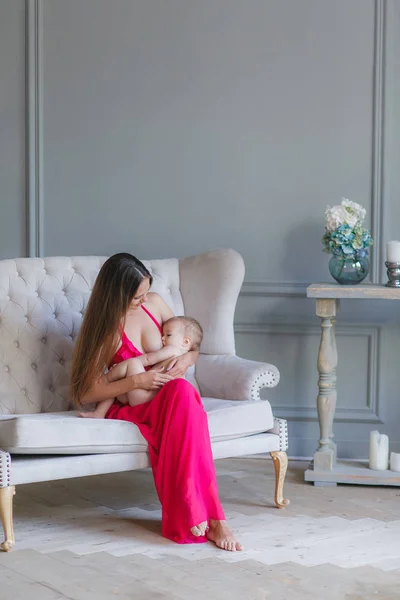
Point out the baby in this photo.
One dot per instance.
(180, 335)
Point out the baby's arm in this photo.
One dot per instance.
(166, 352)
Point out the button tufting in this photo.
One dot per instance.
(43, 340)
(61, 361)
(25, 318)
(51, 388)
(34, 366)
(16, 344)
(23, 392)
(6, 369)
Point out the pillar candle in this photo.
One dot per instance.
(378, 451)
(395, 462)
(393, 251)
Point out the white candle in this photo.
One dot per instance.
(395, 462)
(393, 251)
(378, 451)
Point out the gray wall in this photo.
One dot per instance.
(168, 127)
(12, 129)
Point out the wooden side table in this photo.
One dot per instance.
(325, 469)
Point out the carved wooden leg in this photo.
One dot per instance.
(6, 515)
(280, 463)
(325, 456)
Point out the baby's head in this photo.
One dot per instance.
(183, 332)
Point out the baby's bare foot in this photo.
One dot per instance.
(199, 530)
(90, 415)
(222, 536)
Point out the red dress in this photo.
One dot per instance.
(175, 426)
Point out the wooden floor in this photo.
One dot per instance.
(98, 538)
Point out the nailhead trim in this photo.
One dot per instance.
(265, 379)
(283, 433)
(5, 469)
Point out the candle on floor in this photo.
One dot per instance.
(393, 251)
(378, 451)
(395, 462)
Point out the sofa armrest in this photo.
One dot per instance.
(230, 377)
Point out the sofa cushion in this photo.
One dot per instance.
(65, 433)
(231, 419)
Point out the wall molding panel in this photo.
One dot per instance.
(350, 414)
(378, 129)
(280, 289)
(34, 139)
(34, 131)
(295, 289)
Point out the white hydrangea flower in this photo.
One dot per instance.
(355, 209)
(335, 216)
(351, 220)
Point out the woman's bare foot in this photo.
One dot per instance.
(222, 536)
(199, 530)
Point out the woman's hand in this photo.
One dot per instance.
(178, 365)
(151, 380)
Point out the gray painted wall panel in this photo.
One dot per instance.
(12, 128)
(186, 118)
(293, 349)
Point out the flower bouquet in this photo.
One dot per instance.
(348, 241)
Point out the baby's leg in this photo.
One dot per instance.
(116, 372)
(135, 397)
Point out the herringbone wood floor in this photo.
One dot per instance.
(98, 538)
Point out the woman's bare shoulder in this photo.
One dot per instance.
(155, 301)
(153, 298)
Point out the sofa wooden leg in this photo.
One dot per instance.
(280, 463)
(6, 515)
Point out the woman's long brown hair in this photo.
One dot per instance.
(114, 289)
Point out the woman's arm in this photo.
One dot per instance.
(180, 364)
(103, 390)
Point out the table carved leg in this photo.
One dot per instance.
(325, 455)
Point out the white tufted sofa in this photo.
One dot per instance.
(41, 438)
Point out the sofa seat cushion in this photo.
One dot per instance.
(232, 419)
(65, 433)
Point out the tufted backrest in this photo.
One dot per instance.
(42, 302)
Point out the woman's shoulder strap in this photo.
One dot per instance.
(152, 317)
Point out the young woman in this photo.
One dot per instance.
(123, 320)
